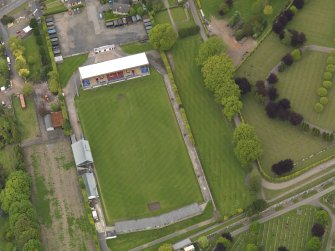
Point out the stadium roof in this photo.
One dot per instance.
(114, 65)
(91, 185)
(82, 152)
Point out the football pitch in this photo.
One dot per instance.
(138, 150)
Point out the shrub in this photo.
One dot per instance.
(281, 67)
(296, 54)
(297, 38)
(268, 10)
(288, 59)
(283, 166)
(239, 34)
(272, 109)
(327, 84)
(234, 19)
(331, 60)
(323, 100)
(272, 93)
(299, 4)
(243, 84)
(305, 127)
(295, 118)
(328, 76)
(313, 244)
(318, 107)
(293, 9)
(322, 92)
(322, 217)
(318, 230)
(330, 68)
(316, 132)
(272, 78)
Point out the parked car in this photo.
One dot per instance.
(51, 36)
(129, 20)
(120, 22)
(134, 19)
(116, 23)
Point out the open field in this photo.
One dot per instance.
(69, 66)
(291, 230)
(33, 57)
(162, 17)
(136, 47)
(281, 140)
(299, 84)
(211, 131)
(122, 241)
(57, 198)
(135, 140)
(26, 118)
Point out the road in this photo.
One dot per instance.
(197, 19)
(11, 6)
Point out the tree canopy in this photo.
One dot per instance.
(162, 37)
(211, 47)
(231, 106)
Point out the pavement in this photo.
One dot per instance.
(197, 19)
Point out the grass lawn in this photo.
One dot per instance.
(122, 241)
(299, 84)
(281, 140)
(32, 53)
(135, 140)
(291, 230)
(69, 66)
(26, 118)
(162, 17)
(8, 159)
(54, 6)
(180, 17)
(245, 7)
(211, 131)
(136, 47)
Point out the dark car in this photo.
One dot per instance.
(129, 20)
(51, 36)
(116, 23)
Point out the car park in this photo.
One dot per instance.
(53, 36)
(52, 31)
(50, 23)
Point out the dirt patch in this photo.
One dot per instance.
(154, 206)
(57, 197)
(236, 50)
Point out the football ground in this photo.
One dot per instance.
(141, 161)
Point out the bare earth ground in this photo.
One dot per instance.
(236, 50)
(53, 163)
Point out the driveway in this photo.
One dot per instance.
(84, 31)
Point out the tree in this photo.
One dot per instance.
(4, 68)
(165, 247)
(313, 244)
(140, 11)
(244, 132)
(255, 181)
(231, 106)
(227, 244)
(327, 76)
(132, 11)
(53, 86)
(297, 38)
(272, 78)
(282, 248)
(272, 93)
(283, 166)
(211, 47)
(27, 89)
(203, 242)
(251, 247)
(322, 217)
(32, 245)
(162, 37)
(288, 59)
(289, 14)
(322, 92)
(318, 107)
(296, 54)
(268, 10)
(299, 4)
(284, 103)
(256, 206)
(7, 19)
(220, 247)
(9, 132)
(33, 23)
(228, 236)
(17, 189)
(22, 208)
(318, 230)
(243, 84)
(24, 73)
(295, 118)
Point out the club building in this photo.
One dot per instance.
(115, 70)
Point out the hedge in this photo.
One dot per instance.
(178, 100)
(188, 31)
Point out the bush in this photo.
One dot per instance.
(331, 60)
(299, 4)
(328, 76)
(322, 92)
(188, 31)
(296, 54)
(234, 19)
(272, 93)
(330, 68)
(239, 34)
(272, 78)
(281, 67)
(327, 84)
(316, 132)
(318, 107)
(318, 230)
(288, 59)
(323, 100)
(283, 166)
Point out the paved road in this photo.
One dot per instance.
(11, 6)
(197, 19)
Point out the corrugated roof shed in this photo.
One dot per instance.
(48, 123)
(57, 119)
(114, 65)
(82, 152)
(182, 244)
(91, 185)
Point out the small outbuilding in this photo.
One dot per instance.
(91, 186)
(48, 123)
(82, 153)
(57, 119)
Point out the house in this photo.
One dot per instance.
(115, 70)
(57, 119)
(91, 186)
(120, 8)
(82, 153)
(48, 123)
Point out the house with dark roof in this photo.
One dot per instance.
(120, 7)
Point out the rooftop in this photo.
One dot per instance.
(91, 186)
(82, 152)
(57, 119)
(114, 65)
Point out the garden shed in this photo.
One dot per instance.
(82, 153)
(91, 186)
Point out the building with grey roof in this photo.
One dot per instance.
(48, 123)
(181, 244)
(82, 153)
(120, 8)
(91, 186)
